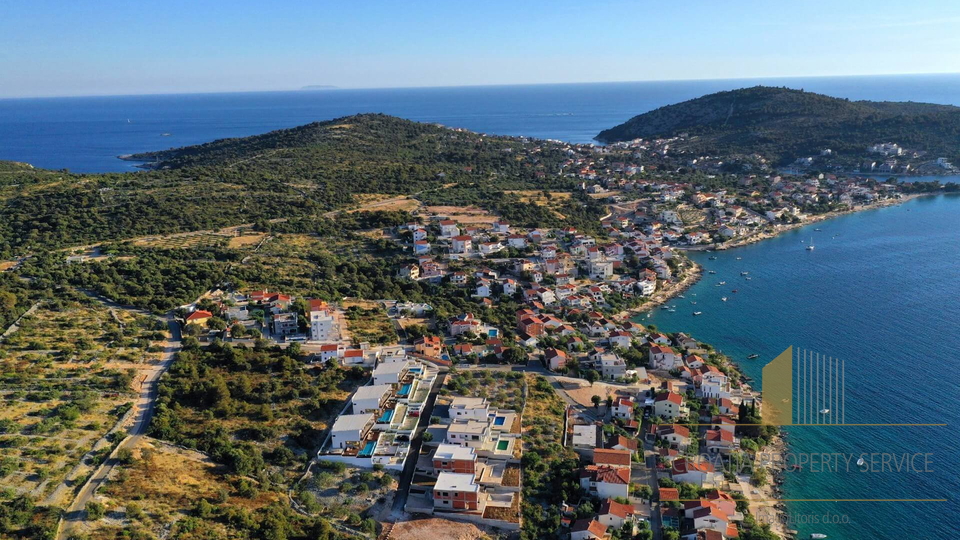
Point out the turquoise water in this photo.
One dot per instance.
(883, 296)
(404, 390)
(368, 449)
(386, 416)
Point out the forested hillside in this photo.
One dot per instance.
(784, 124)
(302, 171)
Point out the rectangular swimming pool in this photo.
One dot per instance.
(498, 421)
(502, 445)
(368, 449)
(404, 390)
(385, 417)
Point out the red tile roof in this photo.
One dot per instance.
(592, 526)
(199, 314)
(615, 508)
(617, 458)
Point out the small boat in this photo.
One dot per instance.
(164, 134)
(735, 290)
(713, 257)
(818, 230)
(739, 258)
(681, 296)
(744, 273)
(860, 462)
(693, 302)
(671, 310)
(712, 272)
(723, 282)
(796, 467)
(817, 535)
(824, 411)
(749, 278)
(724, 298)
(811, 246)
(752, 356)
(695, 313)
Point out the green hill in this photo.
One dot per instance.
(785, 124)
(303, 171)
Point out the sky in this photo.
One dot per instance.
(113, 47)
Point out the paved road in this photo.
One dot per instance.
(651, 462)
(145, 406)
(410, 467)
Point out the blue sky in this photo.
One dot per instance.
(123, 47)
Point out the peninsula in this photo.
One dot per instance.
(338, 326)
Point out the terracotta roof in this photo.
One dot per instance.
(626, 442)
(199, 314)
(603, 456)
(670, 396)
(683, 465)
(615, 508)
(606, 474)
(669, 494)
(592, 526)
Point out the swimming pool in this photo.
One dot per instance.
(368, 449)
(502, 445)
(386, 417)
(498, 421)
(404, 390)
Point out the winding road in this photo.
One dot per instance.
(145, 405)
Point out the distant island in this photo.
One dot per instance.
(319, 87)
(803, 130)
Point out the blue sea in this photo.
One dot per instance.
(86, 134)
(881, 291)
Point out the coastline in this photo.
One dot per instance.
(696, 272)
(768, 502)
(780, 229)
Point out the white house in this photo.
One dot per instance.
(369, 399)
(350, 428)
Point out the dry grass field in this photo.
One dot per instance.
(66, 378)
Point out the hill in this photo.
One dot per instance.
(785, 124)
(303, 171)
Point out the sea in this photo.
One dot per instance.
(881, 291)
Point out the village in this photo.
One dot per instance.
(653, 417)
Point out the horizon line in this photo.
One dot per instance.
(335, 88)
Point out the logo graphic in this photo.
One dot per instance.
(801, 387)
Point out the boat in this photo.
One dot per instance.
(164, 134)
(811, 246)
(724, 298)
(817, 535)
(749, 278)
(697, 313)
(681, 296)
(671, 310)
(818, 230)
(735, 290)
(712, 272)
(752, 356)
(693, 302)
(713, 257)
(796, 467)
(744, 273)
(723, 282)
(739, 258)
(860, 462)
(824, 411)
